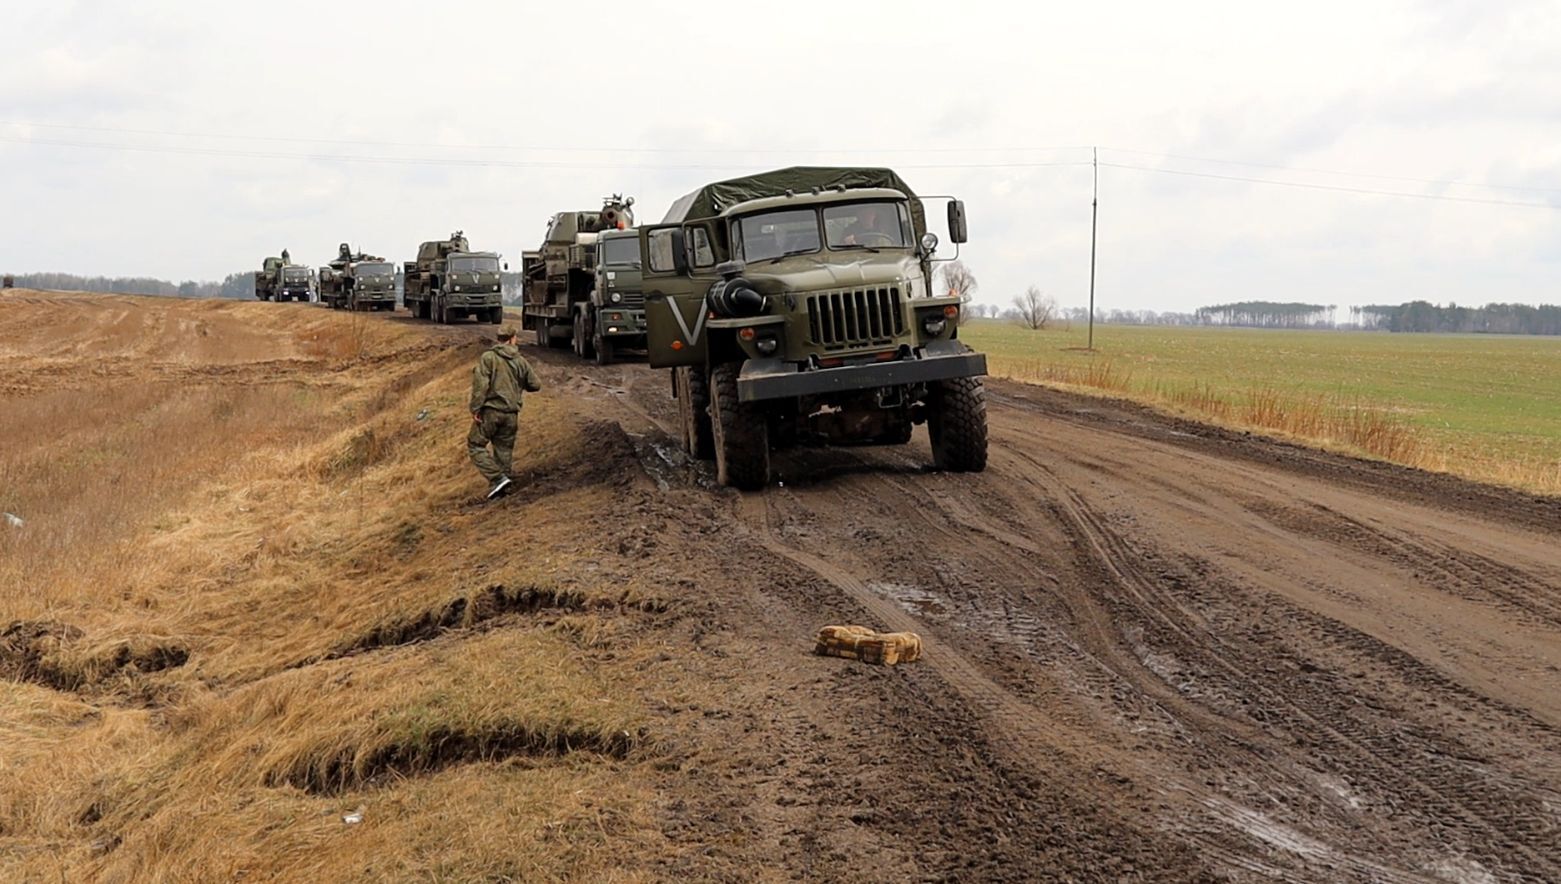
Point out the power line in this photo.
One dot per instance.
(1336, 188)
(434, 161)
(572, 148)
(1445, 182)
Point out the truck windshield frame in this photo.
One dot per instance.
(871, 224)
(471, 264)
(777, 234)
(377, 268)
(620, 251)
(295, 275)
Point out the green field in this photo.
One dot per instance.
(1485, 406)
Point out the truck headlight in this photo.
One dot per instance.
(766, 345)
(933, 325)
(617, 297)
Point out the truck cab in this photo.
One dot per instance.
(796, 308)
(371, 285)
(294, 283)
(614, 319)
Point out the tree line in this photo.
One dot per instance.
(1423, 316)
(234, 285)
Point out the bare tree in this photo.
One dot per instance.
(1034, 309)
(959, 281)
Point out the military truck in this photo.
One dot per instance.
(796, 307)
(294, 282)
(9, 282)
(558, 278)
(266, 278)
(449, 281)
(357, 281)
(614, 317)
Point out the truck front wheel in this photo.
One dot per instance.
(742, 438)
(956, 421)
(693, 394)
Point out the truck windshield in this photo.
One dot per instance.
(295, 275)
(621, 251)
(867, 225)
(475, 265)
(775, 234)
(375, 269)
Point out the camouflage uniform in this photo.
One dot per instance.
(498, 381)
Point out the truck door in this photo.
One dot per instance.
(675, 312)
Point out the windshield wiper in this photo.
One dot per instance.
(791, 253)
(872, 249)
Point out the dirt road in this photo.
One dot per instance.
(1155, 650)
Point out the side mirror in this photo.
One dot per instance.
(957, 230)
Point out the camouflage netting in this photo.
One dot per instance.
(711, 199)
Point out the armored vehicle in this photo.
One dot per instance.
(797, 307)
(358, 281)
(559, 277)
(449, 281)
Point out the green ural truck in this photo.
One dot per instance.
(615, 319)
(796, 307)
(449, 281)
(358, 281)
(558, 279)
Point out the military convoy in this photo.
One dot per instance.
(793, 307)
(449, 281)
(797, 307)
(562, 296)
(356, 281)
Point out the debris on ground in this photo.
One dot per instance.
(13, 520)
(861, 643)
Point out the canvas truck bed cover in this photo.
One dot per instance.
(712, 199)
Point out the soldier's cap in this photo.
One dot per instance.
(506, 332)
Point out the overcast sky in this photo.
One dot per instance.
(222, 133)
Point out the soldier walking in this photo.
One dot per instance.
(498, 381)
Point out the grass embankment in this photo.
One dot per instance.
(246, 603)
(1486, 407)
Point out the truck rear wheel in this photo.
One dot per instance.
(582, 335)
(602, 349)
(956, 421)
(742, 437)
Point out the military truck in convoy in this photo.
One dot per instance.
(9, 282)
(356, 281)
(558, 279)
(615, 315)
(797, 307)
(449, 281)
(279, 279)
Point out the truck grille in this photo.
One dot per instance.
(855, 318)
(630, 299)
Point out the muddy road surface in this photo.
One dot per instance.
(1155, 650)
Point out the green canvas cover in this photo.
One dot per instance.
(711, 199)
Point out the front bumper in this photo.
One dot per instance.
(473, 299)
(763, 379)
(631, 325)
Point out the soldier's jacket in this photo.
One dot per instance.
(499, 379)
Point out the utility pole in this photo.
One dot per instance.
(1094, 214)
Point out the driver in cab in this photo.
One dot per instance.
(874, 225)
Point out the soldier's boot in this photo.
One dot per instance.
(500, 488)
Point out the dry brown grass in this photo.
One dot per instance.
(243, 606)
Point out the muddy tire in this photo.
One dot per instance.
(742, 437)
(694, 409)
(602, 349)
(956, 421)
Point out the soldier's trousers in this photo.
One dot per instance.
(497, 428)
